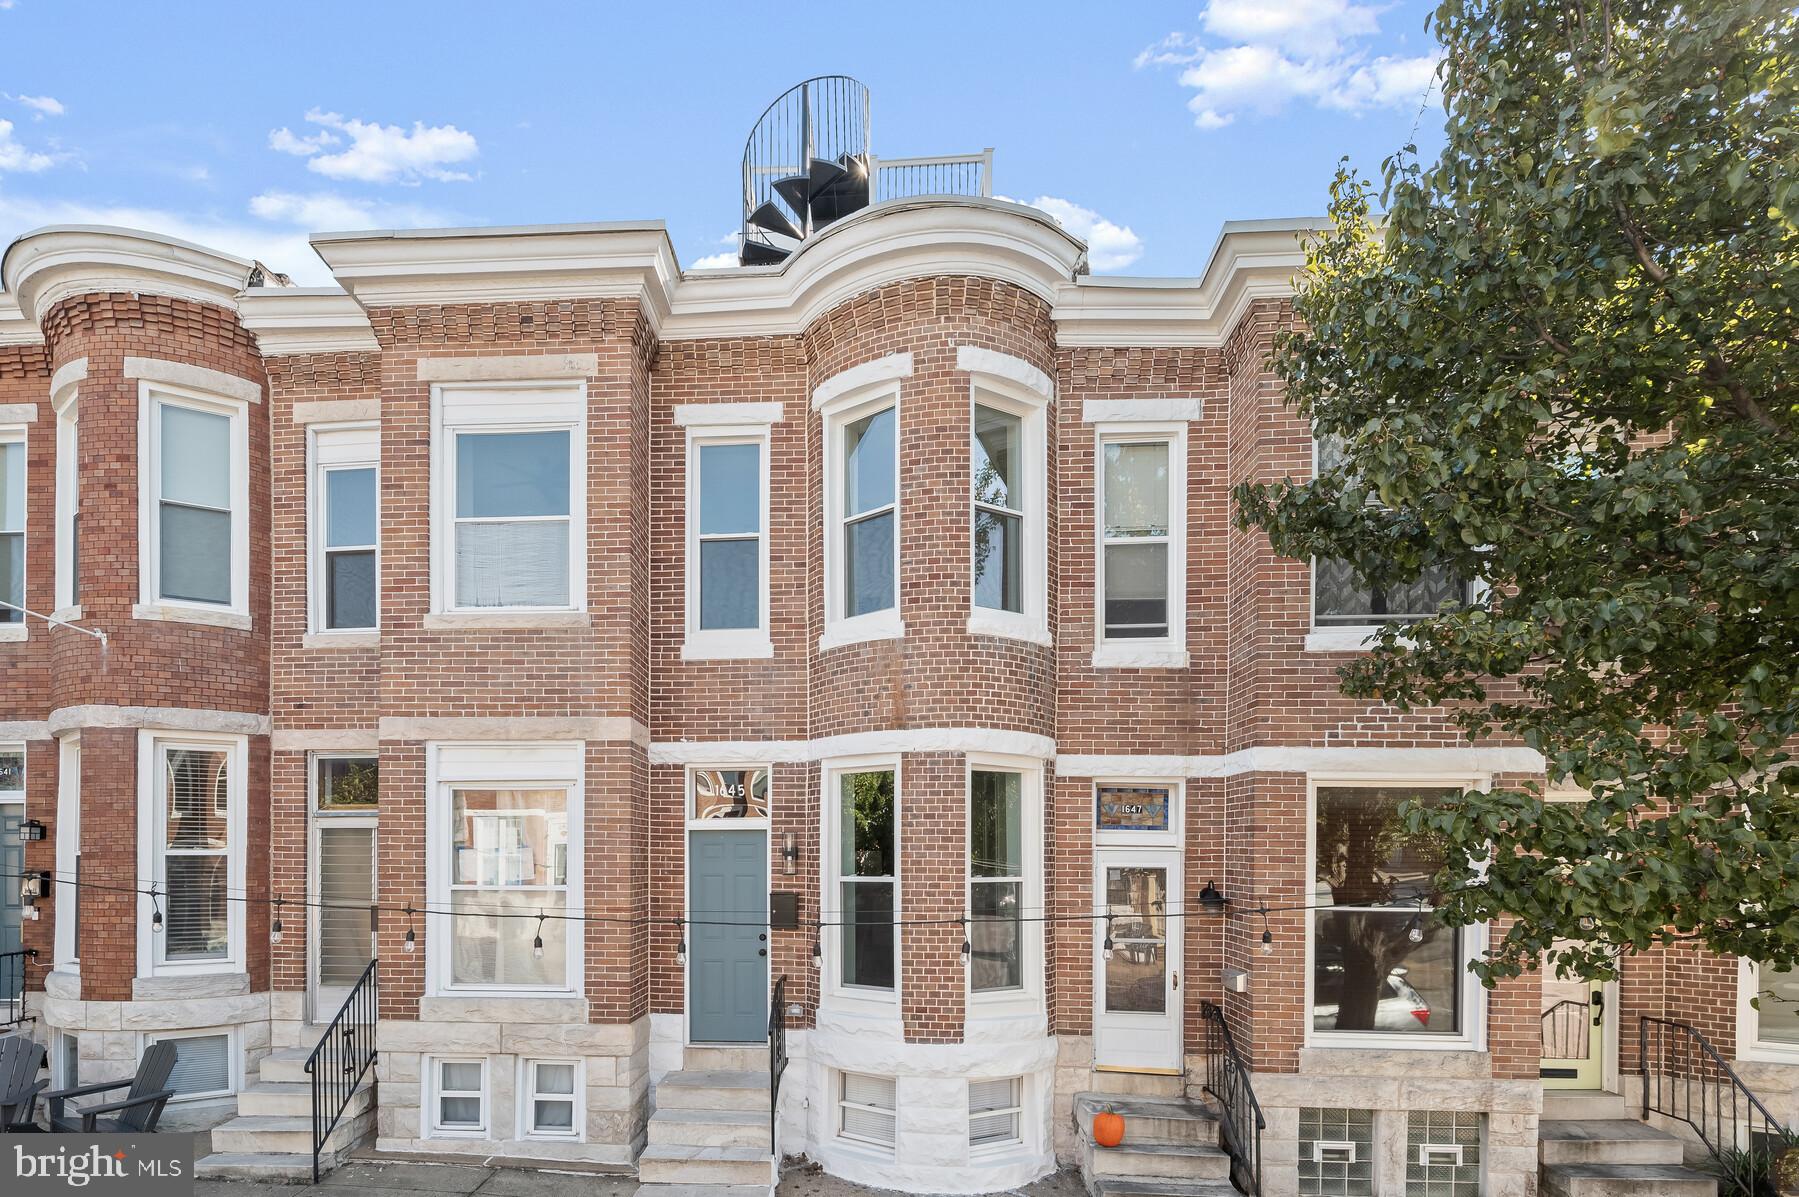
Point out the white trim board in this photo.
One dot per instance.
(1372, 760)
(976, 360)
(874, 743)
(708, 415)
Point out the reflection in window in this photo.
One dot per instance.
(1135, 538)
(998, 509)
(869, 461)
(1377, 880)
(348, 783)
(194, 504)
(509, 857)
(1777, 1006)
(995, 880)
(1137, 924)
(350, 534)
(866, 872)
(729, 535)
(512, 519)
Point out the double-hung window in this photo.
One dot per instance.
(551, 1099)
(457, 1098)
(511, 531)
(346, 523)
(12, 525)
(191, 845)
(1008, 492)
(868, 1111)
(996, 851)
(1142, 547)
(727, 543)
(1769, 1024)
(68, 505)
(995, 1109)
(867, 878)
(197, 523)
(862, 520)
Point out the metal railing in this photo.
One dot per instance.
(1685, 1078)
(941, 174)
(777, 1059)
(12, 986)
(342, 1058)
(1567, 1035)
(1227, 1080)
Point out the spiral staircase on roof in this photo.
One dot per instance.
(808, 163)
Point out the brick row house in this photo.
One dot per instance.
(597, 644)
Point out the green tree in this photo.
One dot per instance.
(1562, 364)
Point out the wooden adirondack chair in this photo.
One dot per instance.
(21, 1059)
(137, 1113)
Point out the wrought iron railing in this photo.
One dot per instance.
(1567, 1035)
(342, 1058)
(12, 986)
(940, 174)
(1685, 1078)
(777, 1059)
(1227, 1080)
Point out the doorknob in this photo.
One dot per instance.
(761, 951)
(763, 937)
(1598, 1004)
(1177, 979)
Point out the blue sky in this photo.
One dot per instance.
(1142, 126)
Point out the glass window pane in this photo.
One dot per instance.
(196, 554)
(1367, 975)
(509, 837)
(461, 1111)
(489, 948)
(730, 794)
(195, 448)
(197, 785)
(730, 586)
(12, 771)
(1344, 598)
(996, 465)
(1136, 975)
(553, 1115)
(868, 449)
(866, 825)
(197, 925)
(12, 486)
(1136, 591)
(350, 590)
(994, 935)
(1777, 1001)
(730, 489)
(1136, 488)
(512, 564)
(12, 575)
(555, 1078)
(348, 783)
(1365, 857)
(461, 1077)
(868, 564)
(512, 473)
(867, 933)
(996, 825)
(349, 507)
(997, 569)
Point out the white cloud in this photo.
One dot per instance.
(41, 106)
(714, 261)
(378, 153)
(320, 211)
(1109, 246)
(14, 155)
(1251, 56)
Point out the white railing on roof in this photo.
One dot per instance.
(942, 174)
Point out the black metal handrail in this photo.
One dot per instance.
(1567, 1035)
(12, 986)
(342, 1058)
(1227, 1079)
(1685, 1078)
(777, 1057)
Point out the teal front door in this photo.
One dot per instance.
(727, 936)
(12, 867)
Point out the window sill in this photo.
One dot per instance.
(745, 644)
(341, 640)
(1769, 1053)
(1345, 640)
(67, 614)
(1007, 625)
(14, 633)
(171, 613)
(1375, 1041)
(452, 621)
(1140, 656)
(877, 625)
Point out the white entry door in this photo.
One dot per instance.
(1136, 986)
(343, 882)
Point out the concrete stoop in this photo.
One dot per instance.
(1615, 1157)
(708, 1135)
(271, 1137)
(1170, 1148)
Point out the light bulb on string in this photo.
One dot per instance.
(411, 944)
(1106, 947)
(275, 927)
(537, 940)
(1267, 934)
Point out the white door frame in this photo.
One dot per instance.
(690, 825)
(1164, 1031)
(321, 1004)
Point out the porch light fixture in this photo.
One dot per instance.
(790, 853)
(34, 885)
(1210, 900)
(31, 831)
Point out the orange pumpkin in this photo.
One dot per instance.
(1108, 1128)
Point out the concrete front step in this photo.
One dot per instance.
(1605, 1141)
(1138, 1084)
(1155, 1161)
(717, 1089)
(285, 1135)
(286, 1065)
(1129, 1186)
(1626, 1180)
(1149, 1119)
(702, 1191)
(1583, 1105)
(244, 1165)
(710, 1128)
(750, 1058)
(293, 1099)
(682, 1163)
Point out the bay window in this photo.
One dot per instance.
(1009, 500)
(867, 878)
(191, 846)
(997, 468)
(1141, 568)
(861, 518)
(12, 525)
(68, 505)
(996, 849)
(196, 511)
(68, 851)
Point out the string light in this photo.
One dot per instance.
(275, 927)
(680, 946)
(537, 940)
(1415, 929)
(1106, 947)
(155, 918)
(967, 948)
(411, 944)
(1267, 933)
(818, 951)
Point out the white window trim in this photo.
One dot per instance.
(726, 643)
(1750, 1045)
(1000, 1147)
(1115, 837)
(838, 412)
(548, 406)
(1027, 999)
(328, 448)
(14, 434)
(1170, 651)
(858, 998)
(840, 1086)
(499, 765)
(68, 847)
(1473, 996)
(1032, 623)
(151, 604)
(527, 1097)
(68, 500)
(431, 1089)
(151, 830)
(232, 1054)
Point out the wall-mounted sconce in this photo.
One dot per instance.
(1210, 900)
(790, 853)
(34, 885)
(31, 831)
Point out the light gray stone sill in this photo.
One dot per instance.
(14, 633)
(63, 983)
(739, 646)
(341, 640)
(503, 1008)
(1007, 626)
(189, 985)
(1345, 640)
(169, 613)
(465, 621)
(1132, 656)
(67, 614)
(878, 625)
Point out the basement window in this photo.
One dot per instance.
(551, 1094)
(1336, 1153)
(866, 1113)
(202, 1065)
(458, 1102)
(1443, 1153)
(994, 1110)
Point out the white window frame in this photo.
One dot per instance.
(999, 1146)
(330, 448)
(68, 851)
(432, 1089)
(528, 1096)
(838, 414)
(726, 643)
(152, 396)
(878, 1001)
(68, 503)
(547, 765)
(840, 1086)
(151, 830)
(1750, 1044)
(1165, 652)
(1472, 1016)
(62, 1075)
(1032, 623)
(1123, 837)
(19, 629)
(233, 1056)
(1027, 999)
(551, 406)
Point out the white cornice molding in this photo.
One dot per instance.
(628, 260)
(973, 359)
(290, 320)
(51, 264)
(15, 329)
